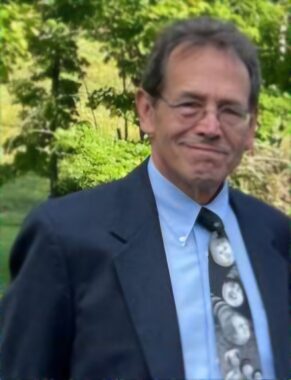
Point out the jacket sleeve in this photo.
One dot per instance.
(36, 322)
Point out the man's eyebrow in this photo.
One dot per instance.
(190, 95)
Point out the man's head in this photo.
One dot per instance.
(201, 32)
(198, 103)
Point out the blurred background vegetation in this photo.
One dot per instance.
(68, 73)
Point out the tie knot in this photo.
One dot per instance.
(210, 220)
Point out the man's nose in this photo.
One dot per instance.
(209, 125)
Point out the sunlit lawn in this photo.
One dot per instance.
(17, 198)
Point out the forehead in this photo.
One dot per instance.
(208, 71)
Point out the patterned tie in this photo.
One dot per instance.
(235, 338)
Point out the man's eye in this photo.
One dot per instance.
(233, 112)
(190, 108)
(190, 105)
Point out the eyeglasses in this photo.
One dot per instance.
(192, 112)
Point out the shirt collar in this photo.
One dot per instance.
(177, 209)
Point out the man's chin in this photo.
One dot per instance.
(205, 177)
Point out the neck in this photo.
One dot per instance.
(201, 191)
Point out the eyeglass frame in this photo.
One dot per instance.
(246, 115)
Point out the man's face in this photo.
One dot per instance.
(197, 157)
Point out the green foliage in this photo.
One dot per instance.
(274, 116)
(265, 174)
(15, 20)
(118, 103)
(55, 42)
(7, 173)
(120, 27)
(18, 197)
(74, 13)
(49, 96)
(89, 158)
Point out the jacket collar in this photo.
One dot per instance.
(143, 274)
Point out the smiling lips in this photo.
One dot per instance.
(207, 148)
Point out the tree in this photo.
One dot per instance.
(120, 26)
(49, 95)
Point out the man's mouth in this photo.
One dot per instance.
(204, 147)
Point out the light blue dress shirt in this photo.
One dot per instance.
(186, 247)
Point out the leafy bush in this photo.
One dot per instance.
(274, 116)
(89, 158)
(7, 172)
(265, 173)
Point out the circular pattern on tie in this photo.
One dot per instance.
(238, 368)
(232, 293)
(236, 344)
(221, 251)
(235, 327)
(238, 331)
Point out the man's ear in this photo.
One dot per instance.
(145, 110)
(249, 145)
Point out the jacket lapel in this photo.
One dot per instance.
(142, 270)
(271, 274)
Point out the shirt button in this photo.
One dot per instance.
(182, 240)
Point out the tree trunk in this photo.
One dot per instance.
(53, 168)
(124, 114)
(119, 135)
(125, 128)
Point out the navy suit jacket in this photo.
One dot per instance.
(91, 297)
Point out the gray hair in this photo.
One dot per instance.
(201, 32)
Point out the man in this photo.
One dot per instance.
(116, 282)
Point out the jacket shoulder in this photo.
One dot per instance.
(97, 206)
(259, 215)
(254, 205)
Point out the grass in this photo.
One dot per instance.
(17, 198)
